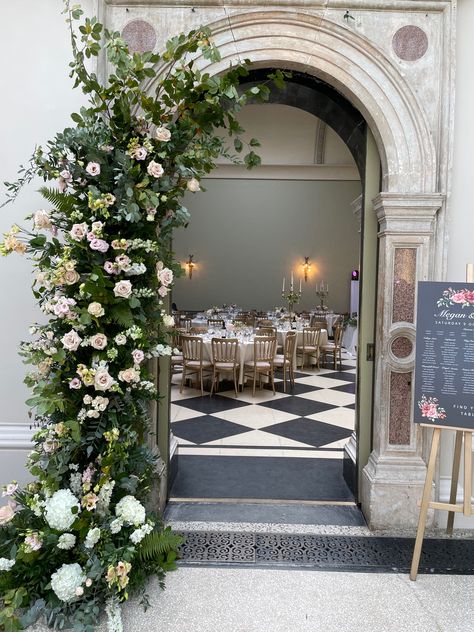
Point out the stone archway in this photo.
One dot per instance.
(410, 209)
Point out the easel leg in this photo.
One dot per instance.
(467, 473)
(425, 504)
(454, 480)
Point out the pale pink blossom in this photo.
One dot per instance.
(99, 244)
(10, 489)
(93, 168)
(62, 308)
(75, 383)
(88, 582)
(138, 356)
(71, 277)
(162, 291)
(111, 268)
(79, 231)
(140, 153)
(129, 375)
(95, 309)
(155, 169)
(42, 220)
(123, 262)
(165, 276)
(33, 542)
(66, 175)
(79, 591)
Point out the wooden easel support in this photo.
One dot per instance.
(452, 507)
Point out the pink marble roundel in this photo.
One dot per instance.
(140, 36)
(410, 43)
(402, 347)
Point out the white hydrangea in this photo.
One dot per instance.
(116, 525)
(138, 535)
(130, 510)
(66, 580)
(66, 541)
(58, 509)
(5, 564)
(92, 537)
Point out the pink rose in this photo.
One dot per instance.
(66, 175)
(458, 297)
(10, 489)
(123, 262)
(33, 542)
(79, 231)
(193, 185)
(469, 296)
(7, 513)
(42, 220)
(103, 380)
(165, 276)
(123, 289)
(99, 244)
(93, 168)
(75, 383)
(155, 169)
(71, 340)
(163, 134)
(129, 375)
(99, 341)
(138, 356)
(162, 291)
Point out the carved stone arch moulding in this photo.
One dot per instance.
(355, 67)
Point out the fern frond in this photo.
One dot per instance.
(63, 202)
(158, 543)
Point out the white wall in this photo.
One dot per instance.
(36, 102)
(247, 235)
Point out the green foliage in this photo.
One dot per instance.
(159, 546)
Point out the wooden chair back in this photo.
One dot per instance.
(266, 331)
(290, 343)
(192, 348)
(264, 348)
(311, 336)
(224, 349)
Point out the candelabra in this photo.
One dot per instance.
(292, 298)
(322, 295)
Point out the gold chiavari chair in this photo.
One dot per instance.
(334, 348)
(285, 360)
(192, 360)
(310, 346)
(216, 323)
(224, 360)
(264, 348)
(266, 331)
(177, 357)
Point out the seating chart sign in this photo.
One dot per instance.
(444, 368)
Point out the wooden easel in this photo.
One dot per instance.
(452, 507)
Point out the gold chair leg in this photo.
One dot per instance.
(183, 376)
(235, 381)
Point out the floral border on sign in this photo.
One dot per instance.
(430, 408)
(451, 297)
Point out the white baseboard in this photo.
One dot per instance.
(16, 436)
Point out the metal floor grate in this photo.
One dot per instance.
(326, 552)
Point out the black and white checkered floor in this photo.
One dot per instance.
(284, 446)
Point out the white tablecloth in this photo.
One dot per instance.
(349, 339)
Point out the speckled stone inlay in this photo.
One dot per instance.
(404, 283)
(400, 408)
(140, 36)
(402, 347)
(410, 43)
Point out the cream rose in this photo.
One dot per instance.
(103, 381)
(6, 514)
(163, 134)
(168, 320)
(155, 169)
(96, 309)
(123, 289)
(42, 220)
(129, 375)
(99, 341)
(71, 277)
(79, 231)
(193, 185)
(71, 340)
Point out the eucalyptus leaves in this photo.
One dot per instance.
(80, 536)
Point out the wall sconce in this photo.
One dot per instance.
(190, 266)
(306, 268)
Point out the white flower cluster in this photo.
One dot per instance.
(36, 505)
(134, 332)
(99, 404)
(105, 494)
(5, 564)
(92, 537)
(162, 350)
(136, 269)
(67, 582)
(58, 509)
(138, 535)
(147, 244)
(130, 510)
(75, 483)
(116, 525)
(66, 541)
(144, 292)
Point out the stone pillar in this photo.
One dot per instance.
(393, 478)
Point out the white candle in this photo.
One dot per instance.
(300, 286)
(470, 272)
(283, 288)
(291, 288)
(321, 287)
(327, 287)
